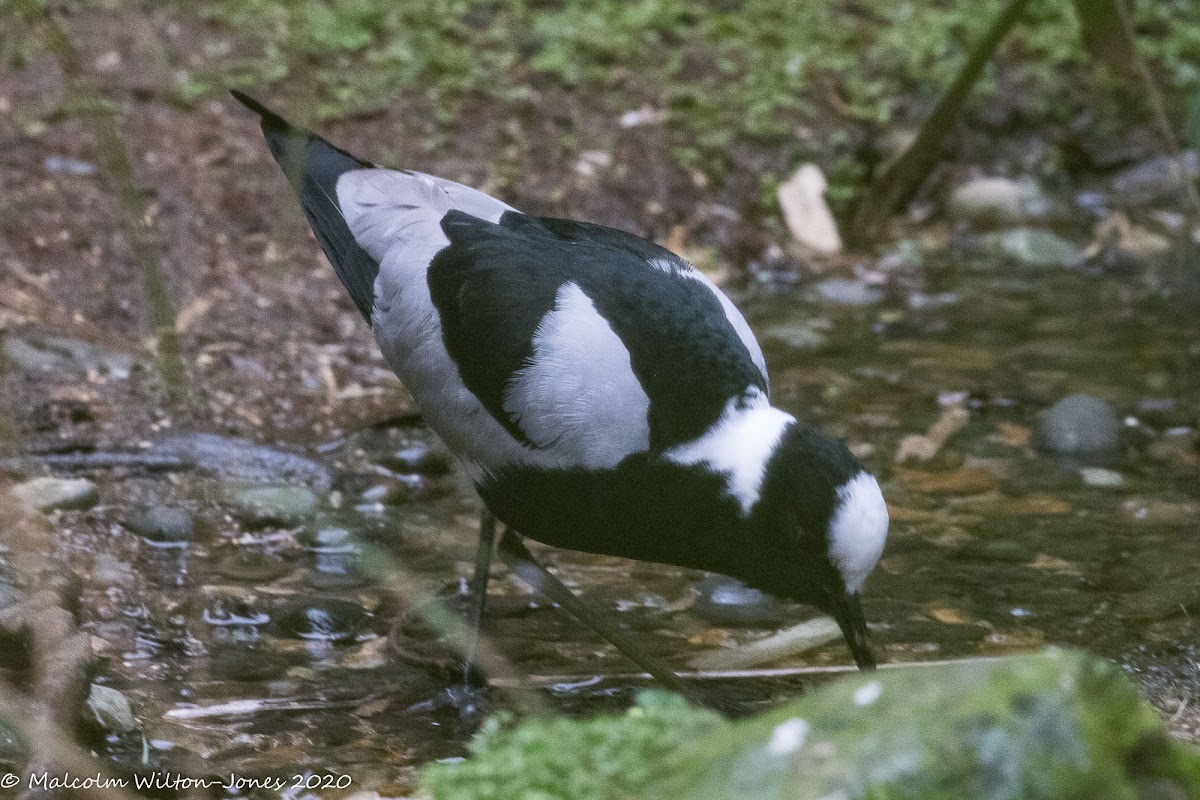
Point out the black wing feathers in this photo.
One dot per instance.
(495, 282)
(312, 165)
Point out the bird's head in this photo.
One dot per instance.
(818, 504)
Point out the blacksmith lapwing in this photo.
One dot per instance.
(602, 393)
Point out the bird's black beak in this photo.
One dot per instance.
(849, 615)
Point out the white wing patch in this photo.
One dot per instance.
(579, 396)
(685, 270)
(858, 529)
(738, 446)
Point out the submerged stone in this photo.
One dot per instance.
(1079, 425)
(728, 601)
(285, 506)
(320, 619)
(1031, 247)
(252, 566)
(849, 293)
(164, 525)
(111, 709)
(1037, 727)
(50, 494)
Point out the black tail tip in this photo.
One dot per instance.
(268, 116)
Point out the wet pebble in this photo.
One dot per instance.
(1100, 478)
(998, 201)
(419, 458)
(49, 494)
(68, 166)
(729, 602)
(260, 506)
(848, 292)
(1031, 247)
(401, 489)
(1079, 425)
(56, 354)
(163, 525)
(798, 335)
(252, 566)
(110, 709)
(321, 619)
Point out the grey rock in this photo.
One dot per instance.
(999, 201)
(1156, 179)
(728, 601)
(242, 460)
(68, 166)
(60, 355)
(848, 292)
(1042, 726)
(1079, 425)
(285, 506)
(1031, 247)
(111, 709)
(165, 525)
(49, 494)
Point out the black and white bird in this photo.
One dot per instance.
(602, 393)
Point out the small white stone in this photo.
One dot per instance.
(788, 737)
(1101, 478)
(867, 694)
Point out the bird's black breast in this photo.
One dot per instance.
(644, 509)
(495, 283)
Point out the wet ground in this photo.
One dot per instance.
(270, 635)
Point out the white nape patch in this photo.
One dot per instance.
(858, 529)
(741, 328)
(738, 445)
(579, 394)
(868, 693)
(788, 737)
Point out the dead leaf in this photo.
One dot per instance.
(923, 447)
(802, 200)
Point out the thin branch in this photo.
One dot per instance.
(904, 177)
(83, 95)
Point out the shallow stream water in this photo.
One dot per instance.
(277, 651)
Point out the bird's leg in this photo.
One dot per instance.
(479, 585)
(517, 557)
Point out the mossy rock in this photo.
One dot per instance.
(1057, 724)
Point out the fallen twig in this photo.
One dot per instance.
(27, 465)
(536, 681)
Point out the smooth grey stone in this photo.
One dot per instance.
(1079, 425)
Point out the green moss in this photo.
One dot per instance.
(605, 757)
(1053, 725)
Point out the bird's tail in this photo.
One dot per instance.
(313, 166)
